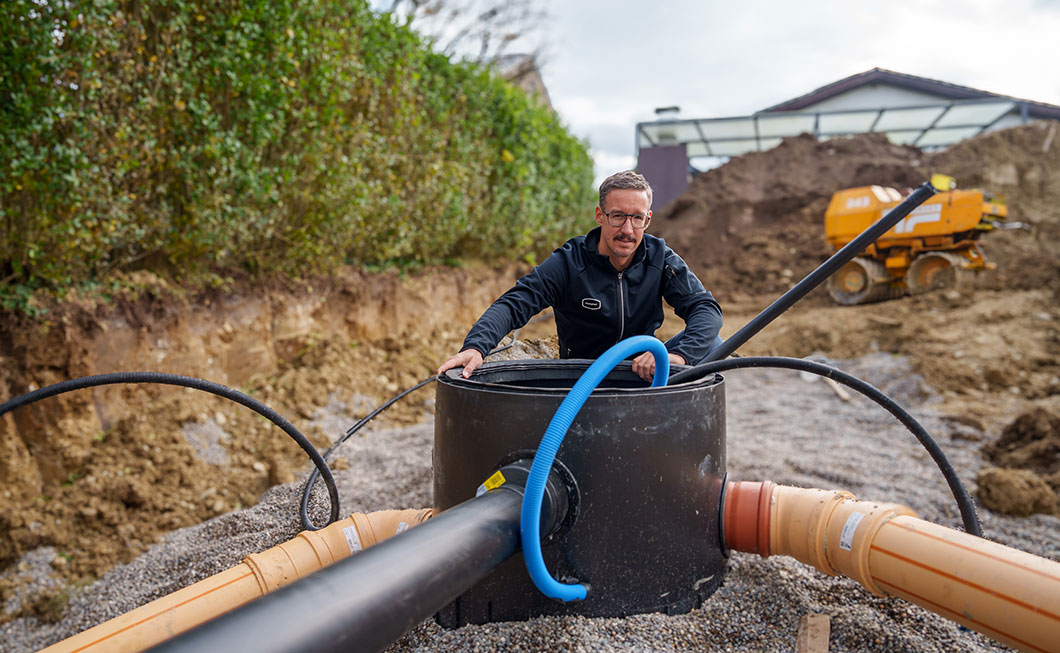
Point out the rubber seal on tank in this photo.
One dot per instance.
(569, 482)
(511, 376)
(721, 515)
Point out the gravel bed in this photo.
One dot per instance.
(781, 426)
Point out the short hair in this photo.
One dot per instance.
(625, 180)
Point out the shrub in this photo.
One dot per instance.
(296, 136)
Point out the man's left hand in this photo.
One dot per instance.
(644, 365)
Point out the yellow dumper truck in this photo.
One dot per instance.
(936, 245)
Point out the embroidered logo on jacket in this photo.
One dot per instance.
(591, 303)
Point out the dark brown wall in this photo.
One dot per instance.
(666, 169)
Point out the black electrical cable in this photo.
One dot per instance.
(964, 502)
(304, 511)
(515, 336)
(197, 384)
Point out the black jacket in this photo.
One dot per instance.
(596, 306)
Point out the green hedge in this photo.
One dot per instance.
(273, 136)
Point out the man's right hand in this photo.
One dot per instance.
(470, 359)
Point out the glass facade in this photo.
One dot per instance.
(930, 126)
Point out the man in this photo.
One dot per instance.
(604, 287)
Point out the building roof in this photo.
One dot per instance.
(511, 64)
(883, 76)
(521, 70)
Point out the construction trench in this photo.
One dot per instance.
(842, 475)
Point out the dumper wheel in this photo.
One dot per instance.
(936, 270)
(861, 281)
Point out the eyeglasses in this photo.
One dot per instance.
(618, 219)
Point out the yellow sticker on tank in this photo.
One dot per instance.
(494, 481)
(491, 483)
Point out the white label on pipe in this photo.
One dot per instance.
(402, 527)
(352, 539)
(846, 538)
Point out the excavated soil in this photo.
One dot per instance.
(1027, 477)
(93, 478)
(754, 225)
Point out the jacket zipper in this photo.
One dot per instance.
(621, 310)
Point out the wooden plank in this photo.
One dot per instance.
(814, 630)
(884, 321)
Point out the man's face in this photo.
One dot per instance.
(619, 243)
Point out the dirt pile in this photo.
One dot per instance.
(1023, 166)
(1027, 477)
(755, 225)
(1031, 442)
(1018, 492)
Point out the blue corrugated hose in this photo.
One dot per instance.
(530, 518)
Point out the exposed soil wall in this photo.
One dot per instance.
(100, 473)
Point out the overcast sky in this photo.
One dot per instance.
(609, 63)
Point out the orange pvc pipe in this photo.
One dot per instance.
(1006, 594)
(746, 516)
(257, 575)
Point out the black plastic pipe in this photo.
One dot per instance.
(815, 278)
(368, 601)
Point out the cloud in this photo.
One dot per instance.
(610, 64)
